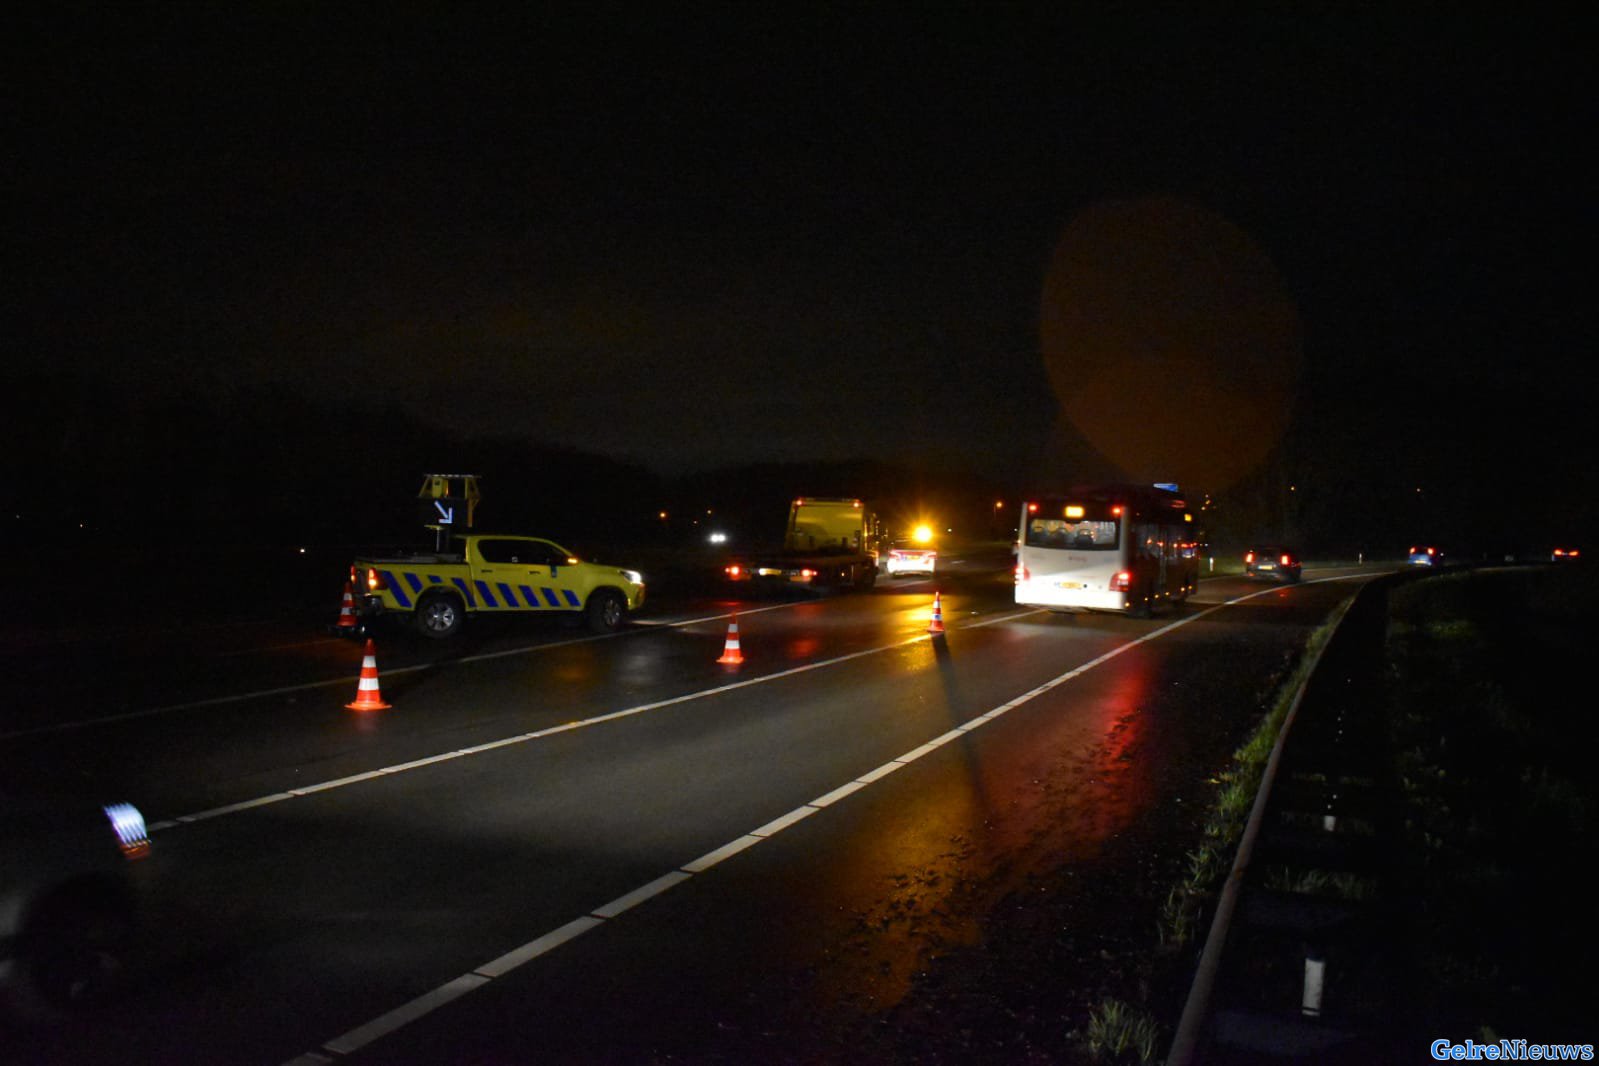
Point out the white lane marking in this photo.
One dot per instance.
(522, 738)
(388, 1023)
(639, 895)
(242, 697)
(534, 948)
(404, 1015)
(642, 708)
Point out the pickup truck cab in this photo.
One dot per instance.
(484, 573)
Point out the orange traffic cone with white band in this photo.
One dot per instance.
(731, 655)
(937, 624)
(347, 608)
(367, 696)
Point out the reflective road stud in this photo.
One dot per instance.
(730, 652)
(937, 624)
(367, 696)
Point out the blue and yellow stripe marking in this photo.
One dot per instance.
(405, 584)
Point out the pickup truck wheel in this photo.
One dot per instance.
(439, 616)
(605, 610)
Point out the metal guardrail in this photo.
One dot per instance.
(1192, 1028)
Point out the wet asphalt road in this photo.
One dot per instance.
(554, 847)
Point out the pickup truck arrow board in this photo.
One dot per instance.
(446, 514)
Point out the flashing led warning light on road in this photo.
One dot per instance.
(922, 534)
(128, 823)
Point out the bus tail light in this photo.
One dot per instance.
(1022, 574)
(1122, 582)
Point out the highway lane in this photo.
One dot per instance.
(287, 925)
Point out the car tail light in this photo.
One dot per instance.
(1249, 557)
(1286, 560)
(1122, 582)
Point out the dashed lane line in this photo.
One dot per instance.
(354, 1040)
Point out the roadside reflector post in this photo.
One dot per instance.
(1315, 980)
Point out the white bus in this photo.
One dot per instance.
(1124, 548)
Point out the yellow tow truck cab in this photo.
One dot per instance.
(489, 573)
(830, 542)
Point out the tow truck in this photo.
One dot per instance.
(830, 543)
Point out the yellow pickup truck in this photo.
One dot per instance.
(483, 573)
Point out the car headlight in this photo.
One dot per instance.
(634, 576)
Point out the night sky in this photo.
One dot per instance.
(1343, 253)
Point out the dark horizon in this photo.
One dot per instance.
(1314, 264)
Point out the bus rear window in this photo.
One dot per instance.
(1084, 535)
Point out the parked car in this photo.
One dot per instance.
(68, 902)
(1426, 555)
(1273, 561)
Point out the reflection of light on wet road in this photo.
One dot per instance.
(914, 858)
(915, 883)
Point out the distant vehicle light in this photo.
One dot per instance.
(807, 573)
(734, 570)
(718, 538)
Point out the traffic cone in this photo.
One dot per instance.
(367, 696)
(731, 655)
(937, 624)
(347, 608)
